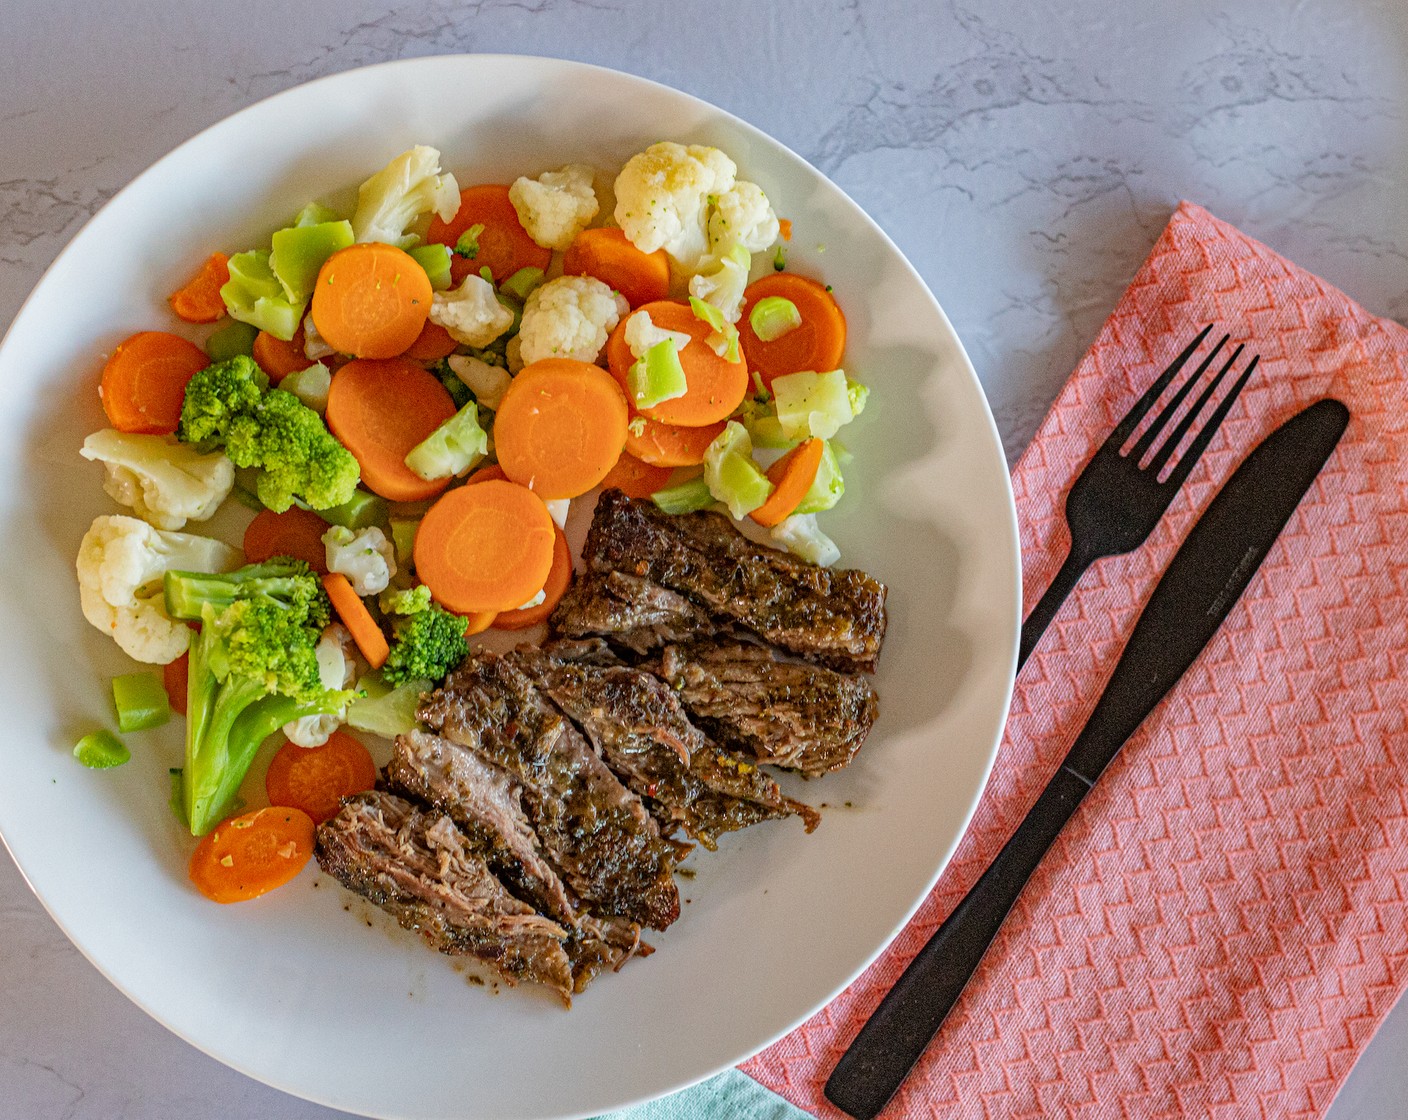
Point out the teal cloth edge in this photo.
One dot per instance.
(729, 1096)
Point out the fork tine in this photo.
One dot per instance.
(1167, 448)
(1151, 433)
(1125, 428)
(1204, 437)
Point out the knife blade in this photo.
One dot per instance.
(1197, 591)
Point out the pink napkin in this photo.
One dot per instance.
(1222, 926)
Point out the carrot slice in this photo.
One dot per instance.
(668, 445)
(816, 345)
(433, 342)
(478, 622)
(504, 245)
(560, 427)
(784, 228)
(554, 587)
(316, 779)
(358, 620)
(486, 473)
(371, 300)
(486, 547)
(791, 477)
(716, 386)
(247, 856)
(144, 381)
(635, 478)
(199, 300)
(609, 255)
(380, 409)
(295, 532)
(278, 358)
(174, 677)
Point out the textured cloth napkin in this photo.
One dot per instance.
(1224, 923)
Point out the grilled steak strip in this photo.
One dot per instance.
(642, 732)
(487, 804)
(637, 614)
(422, 870)
(802, 717)
(597, 834)
(835, 618)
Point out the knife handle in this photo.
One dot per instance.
(909, 1016)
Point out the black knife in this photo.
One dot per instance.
(1202, 583)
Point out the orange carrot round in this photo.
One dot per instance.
(380, 409)
(174, 677)
(316, 779)
(358, 620)
(816, 345)
(791, 477)
(554, 587)
(433, 343)
(144, 381)
(278, 358)
(609, 255)
(560, 427)
(371, 300)
(716, 386)
(669, 445)
(247, 856)
(486, 547)
(504, 245)
(636, 478)
(478, 622)
(486, 473)
(295, 532)
(199, 300)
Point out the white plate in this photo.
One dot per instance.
(308, 989)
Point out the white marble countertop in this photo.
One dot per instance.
(1023, 153)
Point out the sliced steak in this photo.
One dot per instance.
(802, 717)
(642, 732)
(635, 613)
(420, 868)
(487, 803)
(834, 618)
(597, 834)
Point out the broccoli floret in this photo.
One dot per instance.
(409, 601)
(281, 580)
(428, 644)
(458, 390)
(230, 403)
(253, 668)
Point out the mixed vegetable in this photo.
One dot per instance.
(410, 397)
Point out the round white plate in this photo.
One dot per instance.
(311, 990)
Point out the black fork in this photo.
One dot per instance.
(1118, 498)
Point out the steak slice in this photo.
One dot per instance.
(633, 612)
(835, 618)
(487, 804)
(802, 717)
(642, 732)
(420, 868)
(597, 834)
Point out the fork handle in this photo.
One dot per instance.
(909, 1016)
(1050, 602)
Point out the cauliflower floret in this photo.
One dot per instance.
(742, 215)
(471, 313)
(663, 196)
(721, 281)
(164, 481)
(120, 564)
(642, 333)
(487, 383)
(569, 317)
(556, 206)
(410, 185)
(337, 669)
(365, 557)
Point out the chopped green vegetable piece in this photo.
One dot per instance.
(140, 700)
(773, 316)
(314, 214)
(826, 488)
(521, 284)
(177, 803)
(468, 244)
(254, 295)
(658, 376)
(384, 710)
(435, 259)
(858, 394)
(101, 750)
(231, 339)
(299, 252)
(723, 339)
(403, 538)
(486, 274)
(363, 510)
(731, 474)
(779, 260)
(454, 448)
(684, 498)
(812, 404)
